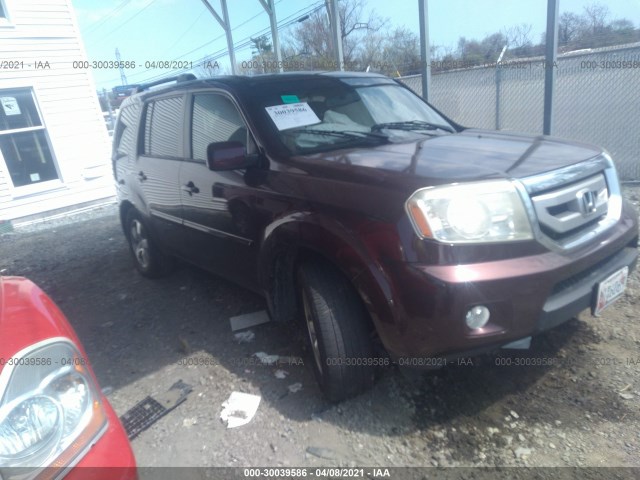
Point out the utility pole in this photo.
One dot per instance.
(336, 29)
(270, 8)
(123, 77)
(224, 23)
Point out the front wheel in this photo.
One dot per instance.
(149, 260)
(337, 330)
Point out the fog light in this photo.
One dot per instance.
(477, 317)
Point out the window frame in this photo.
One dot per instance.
(17, 192)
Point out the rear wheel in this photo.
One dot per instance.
(337, 330)
(149, 260)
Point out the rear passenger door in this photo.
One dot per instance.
(157, 172)
(217, 210)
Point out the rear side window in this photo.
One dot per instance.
(163, 128)
(123, 138)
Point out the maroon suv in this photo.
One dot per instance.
(350, 203)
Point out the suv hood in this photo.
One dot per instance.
(469, 155)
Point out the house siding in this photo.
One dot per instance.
(47, 31)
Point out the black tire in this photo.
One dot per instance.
(150, 261)
(337, 331)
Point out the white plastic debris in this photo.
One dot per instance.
(239, 409)
(281, 374)
(247, 320)
(244, 337)
(295, 387)
(267, 359)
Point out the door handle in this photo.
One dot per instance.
(190, 188)
(141, 176)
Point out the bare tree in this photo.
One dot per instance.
(596, 15)
(312, 38)
(570, 28)
(207, 68)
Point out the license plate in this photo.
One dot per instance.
(610, 289)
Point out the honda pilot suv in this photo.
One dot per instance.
(354, 206)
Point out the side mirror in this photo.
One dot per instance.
(228, 156)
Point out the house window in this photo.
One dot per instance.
(4, 17)
(24, 145)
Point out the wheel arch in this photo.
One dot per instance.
(304, 236)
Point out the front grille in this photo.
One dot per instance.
(570, 209)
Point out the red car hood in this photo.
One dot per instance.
(28, 316)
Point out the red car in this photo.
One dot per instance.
(54, 420)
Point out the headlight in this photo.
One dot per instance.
(50, 412)
(490, 211)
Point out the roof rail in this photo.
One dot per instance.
(185, 77)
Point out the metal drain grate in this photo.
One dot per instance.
(148, 411)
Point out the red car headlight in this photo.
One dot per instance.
(50, 412)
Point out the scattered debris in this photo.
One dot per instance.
(189, 422)
(148, 411)
(267, 359)
(240, 322)
(295, 387)
(106, 391)
(239, 409)
(244, 337)
(281, 374)
(184, 345)
(626, 396)
(322, 452)
(514, 414)
(626, 388)
(522, 452)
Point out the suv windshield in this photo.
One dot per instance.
(308, 116)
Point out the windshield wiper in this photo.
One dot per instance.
(411, 125)
(351, 134)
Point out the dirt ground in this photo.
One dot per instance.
(578, 406)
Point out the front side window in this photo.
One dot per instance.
(24, 145)
(215, 119)
(163, 128)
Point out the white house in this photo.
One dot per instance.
(54, 146)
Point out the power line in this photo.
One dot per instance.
(98, 23)
(127, 21)
(238, 46)
(187, 30)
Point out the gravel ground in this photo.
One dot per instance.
(582, 410)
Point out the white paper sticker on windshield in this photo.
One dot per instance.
(292, 115)
(10, 106)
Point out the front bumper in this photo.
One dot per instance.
(524, 295)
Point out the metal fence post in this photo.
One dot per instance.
(551, 55)
(425, 53)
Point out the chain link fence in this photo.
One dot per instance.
(597, 99)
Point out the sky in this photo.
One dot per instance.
(147, 31)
